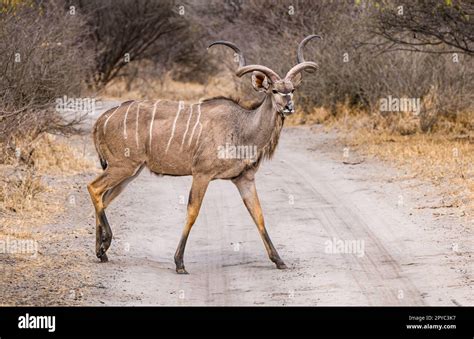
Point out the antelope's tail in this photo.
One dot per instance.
(103, 162)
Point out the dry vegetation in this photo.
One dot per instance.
(26, 196)
(444, 157)
(44, 57)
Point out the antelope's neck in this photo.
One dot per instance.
(265, 127)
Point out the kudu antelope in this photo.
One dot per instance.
(171, 138)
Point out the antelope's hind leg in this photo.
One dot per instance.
(103, 190)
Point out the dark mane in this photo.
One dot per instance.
(247, 106)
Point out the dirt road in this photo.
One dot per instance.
(350, 235)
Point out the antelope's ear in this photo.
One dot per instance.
(296, 81)
(260, 81)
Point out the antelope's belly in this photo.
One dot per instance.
(178, 165)
(228, 169)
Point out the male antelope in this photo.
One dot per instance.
(171, 138)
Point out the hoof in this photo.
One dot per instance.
(104, 258)
(281, 266)
(101, 255)
(181, 270)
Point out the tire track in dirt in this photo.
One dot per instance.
(378, 267)
(331, 231)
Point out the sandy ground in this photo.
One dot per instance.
(360, 234)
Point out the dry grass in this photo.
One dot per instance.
(446, 162)
(26, 198)
(444, 156)
(319, 115)
(25, 201)
(25, 187)
(54, 156)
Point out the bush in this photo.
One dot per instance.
(42, 48)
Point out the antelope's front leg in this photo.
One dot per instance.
(248, 192)
(196, 195)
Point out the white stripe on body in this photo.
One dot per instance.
(195, 125)
(125, 121)
(136, 123)
(151, 122)
(199, 135)
(110, 116)
(180, 107)
(187, 127)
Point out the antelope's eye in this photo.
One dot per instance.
(292, 90)
(274, 91)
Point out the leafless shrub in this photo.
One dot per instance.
(126, 31)
(41, 48)
(424, 26)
